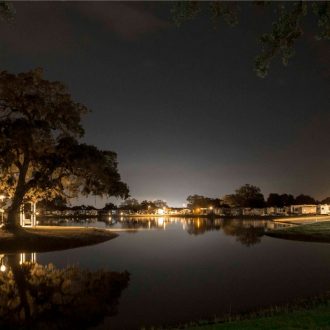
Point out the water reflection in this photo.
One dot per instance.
(247, 232)
(38, 296)
(188, 269)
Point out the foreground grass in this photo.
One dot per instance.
(318, 318)
(48, 238)
(315, 232)
(308, 314)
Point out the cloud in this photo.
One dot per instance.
(38, 28)
(52, 27)
(128, 21)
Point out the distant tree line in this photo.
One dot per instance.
(251, 196)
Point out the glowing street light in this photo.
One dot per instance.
(161, 211)
(2, 263)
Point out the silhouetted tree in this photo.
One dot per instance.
(7, 11)
(148, 205)
(110, 206)
(199, 201)
(40, 156)
(279, 200)
(249, 196)
(130, 204)
(326, 201)
(304, 199)
(274, 200)
(287, 199)
(287, 26)
(196, 201)
(230, 201)
(159, 203)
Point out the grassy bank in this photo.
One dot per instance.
(302, 219)
(50, 238)
(306, 314)
(315, 232)
(316, 318)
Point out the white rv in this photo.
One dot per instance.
(323, 209)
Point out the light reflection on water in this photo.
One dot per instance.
(186, 269)
(43, 296)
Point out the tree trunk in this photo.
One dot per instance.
(13, 219)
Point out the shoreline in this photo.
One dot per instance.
(291, 219)
(307, 313)
(311, 232)
(50, 238)
(303, 219)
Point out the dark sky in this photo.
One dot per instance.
(183, 107)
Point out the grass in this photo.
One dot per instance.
(48, 238)
(318, 318)
(306, 314)
(315, 232)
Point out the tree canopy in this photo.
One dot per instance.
(40, 153)
(287, 27)
(249, 196)
(326, 200)
(304, 199)
(199, 201)
(278, 200)
(130, 204)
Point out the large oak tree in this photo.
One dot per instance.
(40, 152)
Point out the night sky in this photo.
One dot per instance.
(183, 107)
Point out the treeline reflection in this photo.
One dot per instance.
(45, 297)
(247, 232)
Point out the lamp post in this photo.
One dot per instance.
(2, 197)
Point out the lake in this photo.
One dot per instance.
(190, 269)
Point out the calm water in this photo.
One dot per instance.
(189, 269)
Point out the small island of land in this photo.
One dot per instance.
(313, 232)
(41, 239)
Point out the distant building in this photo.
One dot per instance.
(221, 211)
(278, 210)
(236, 211)
(303, 209)
(323, 209)
(248, 211)
(178, 210)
